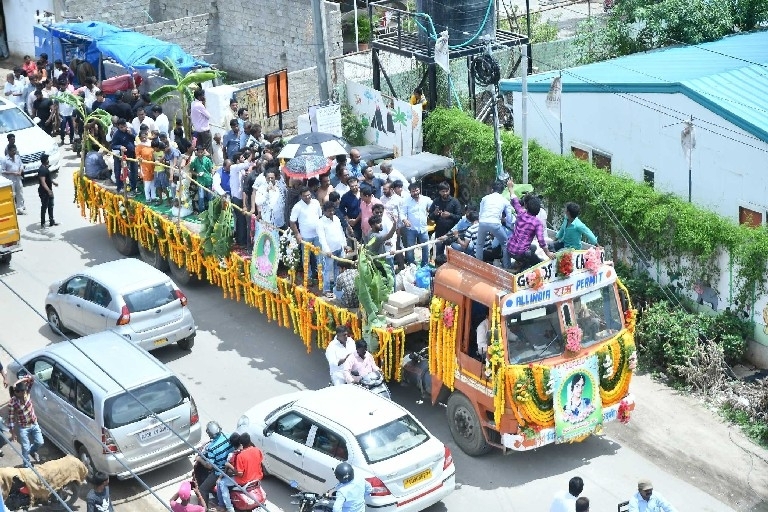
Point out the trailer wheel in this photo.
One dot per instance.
(153, 257)
(180, 275)
(125, 245)
(465, 426)
(5, 259)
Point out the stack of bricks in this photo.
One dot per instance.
(399, 309)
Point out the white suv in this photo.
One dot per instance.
(31, 140)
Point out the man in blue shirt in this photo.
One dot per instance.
(645, 500)
(124, 140)
(351, 491)
(350, 207)
(356, 166)
(231, 140)
(213, 455)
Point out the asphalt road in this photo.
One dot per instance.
(239, 359)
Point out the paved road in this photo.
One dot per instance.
(239, 358)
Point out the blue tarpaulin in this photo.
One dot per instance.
(130, 49)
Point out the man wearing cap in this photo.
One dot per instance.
(180, 500)
(98, 497)
(645, 500)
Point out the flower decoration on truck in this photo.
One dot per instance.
(573, 335)
(565, 263)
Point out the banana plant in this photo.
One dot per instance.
(100, 116)
(181, 86)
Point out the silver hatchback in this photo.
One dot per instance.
(126, 296)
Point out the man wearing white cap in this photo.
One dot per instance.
(645, 500)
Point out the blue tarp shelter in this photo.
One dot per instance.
(130, 49)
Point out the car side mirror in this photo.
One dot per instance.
(267, 431)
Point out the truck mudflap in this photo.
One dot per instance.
(521, 443)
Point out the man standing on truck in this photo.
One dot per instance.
(492, 207)
(445, 212)
(13, 169)
(527, 226)
(570, 233)
(415, 211)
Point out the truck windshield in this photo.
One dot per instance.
(597, 314)
(533, 335)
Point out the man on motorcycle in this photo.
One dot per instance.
(214, 454)
(339, 350)
(351, 491)
(247, 468)
(359, 364)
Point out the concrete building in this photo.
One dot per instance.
(628, 115)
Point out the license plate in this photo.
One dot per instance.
(161, 342)
(152, 432)
(417, 479)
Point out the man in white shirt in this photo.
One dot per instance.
(415, 209)
(270, 198)
(162, 124)
(341, 347)
(565, 501)
(12, 168)
(14, 90)
(491, 208)
(142, 119)
(332, 240)
(391, 174)
(305, 215)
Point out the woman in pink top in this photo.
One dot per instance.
(183, 494)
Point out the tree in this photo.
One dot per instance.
(748, 14)
(97, 116)
(181, 86)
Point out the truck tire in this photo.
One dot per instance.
(153, 257)
(465, 426)
(5, 259)
(180, 275)
(125, 245)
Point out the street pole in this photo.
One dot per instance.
(527, 54)
(524, 117)
(560, 115)
(320, 58)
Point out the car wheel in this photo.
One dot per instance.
(54, 320)
(125, 245)
(180, 275)
(5, 259)
(186, 343)
(86, 459)
(152, 257)
(465, 426)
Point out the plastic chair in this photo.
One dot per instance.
(623, 506)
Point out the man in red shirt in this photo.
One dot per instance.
(247, 468)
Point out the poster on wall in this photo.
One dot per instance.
(264, 260)
(389, 122)
(577, 403)
(326, 119)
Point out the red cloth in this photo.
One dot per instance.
(249, 464)
(121, 83)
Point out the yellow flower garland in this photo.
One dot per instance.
(442, 341)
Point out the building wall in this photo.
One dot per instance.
(643, 131)
(195, 34)
(122, 13)
(19, 18)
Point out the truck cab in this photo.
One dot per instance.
(10, 236)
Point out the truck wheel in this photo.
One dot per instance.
(153, 257)
(5, 259)
(180, 275)
(187, 343)
(465, 426)
(125, 245)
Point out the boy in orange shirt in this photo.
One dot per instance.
(146, 156)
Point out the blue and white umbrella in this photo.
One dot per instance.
(314, 144)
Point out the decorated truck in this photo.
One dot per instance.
(560, 346)
(10, 235)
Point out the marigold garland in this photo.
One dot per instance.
(442, 341)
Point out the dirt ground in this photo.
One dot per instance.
(682, 434)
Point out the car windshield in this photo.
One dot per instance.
(597, 314)
(534, 334)
(392, 439)
(159, 397)
(12, 119)
(149, 298)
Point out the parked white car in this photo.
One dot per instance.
(31, 140)
(305, 435)
(127, 296)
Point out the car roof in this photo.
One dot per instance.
(353, 407)
(126, 274)
(106, 358)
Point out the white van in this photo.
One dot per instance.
(94, 398)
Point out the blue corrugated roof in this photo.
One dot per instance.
(728, 77)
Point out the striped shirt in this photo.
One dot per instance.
(218, 450)
(21, 414)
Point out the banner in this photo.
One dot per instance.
(327, 119)
(265, 258)
(577, 403)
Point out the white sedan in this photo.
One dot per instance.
(305, 435)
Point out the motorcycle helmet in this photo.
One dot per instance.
(344, 472)
(212, 429)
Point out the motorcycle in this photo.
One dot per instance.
(312, 502)
(253, 497)
(374, 382)
(25, 489)
(415, 371)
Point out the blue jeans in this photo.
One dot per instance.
(202, 199)
(413, 237)
(499, 233)
(330, 270)
(67, 121)
(133, 174)
(224, 487)
(31, 439)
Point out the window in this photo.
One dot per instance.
(98, 295)
(293, 426)
(159, 396)
(601, 160)
(581, 154)
(13, 119)
(42, 370)
(76, 286)
(597, 314)
(649, 177)
(392, 439)
(750, 218)
(63, 384)
(534, 335)
(84, 402)
(330, 443)
(149, 298)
